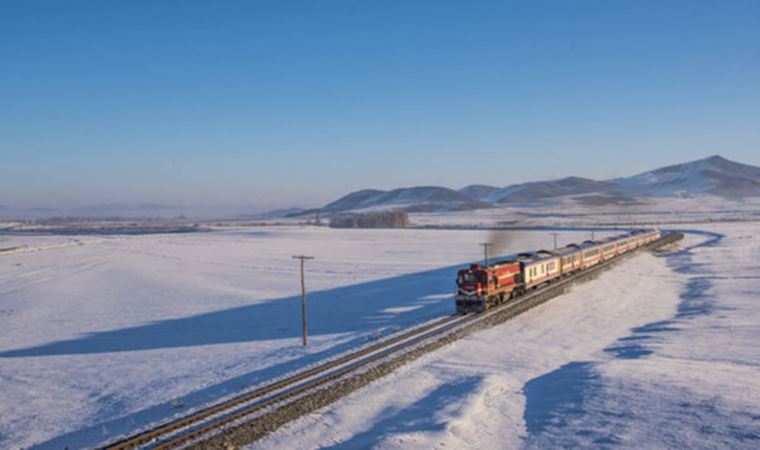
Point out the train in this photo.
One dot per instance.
(481, 287)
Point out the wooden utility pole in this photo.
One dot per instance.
(303, 298)
(485, 252)
(555, 240)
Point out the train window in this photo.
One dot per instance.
(468, 277)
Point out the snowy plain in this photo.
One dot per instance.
(110, 333)
(101, 335)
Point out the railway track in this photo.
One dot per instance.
(258, 403)
(287, 387)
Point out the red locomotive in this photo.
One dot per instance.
(481, 287)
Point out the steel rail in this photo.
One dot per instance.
(164, 429)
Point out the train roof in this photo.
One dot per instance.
(492, 264)
(503, 262)
(540, 255)
(568, 249)
(588, 244)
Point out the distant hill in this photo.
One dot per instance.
(478, 191)
(547, 189)
(714, 175)
(414, 199)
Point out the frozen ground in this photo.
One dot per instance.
(660, 352)
(100, 335)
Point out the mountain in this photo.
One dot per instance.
(478, 191)
(714, 175)
(414, 199)
(526, 192)
(710, 176)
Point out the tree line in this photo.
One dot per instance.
(378, 219)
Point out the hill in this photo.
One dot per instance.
(709, 176)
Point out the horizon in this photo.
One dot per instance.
(271, 105)
(240, 209)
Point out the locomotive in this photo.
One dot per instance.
(481, 287)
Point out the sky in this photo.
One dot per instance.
(295, 103)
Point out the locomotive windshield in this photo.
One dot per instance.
(469, 277)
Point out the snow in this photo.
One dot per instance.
(658, 353)
(102, 337)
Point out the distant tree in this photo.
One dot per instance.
(379, 219)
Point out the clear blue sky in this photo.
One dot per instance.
(295, 103)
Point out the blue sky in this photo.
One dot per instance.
(276, 103)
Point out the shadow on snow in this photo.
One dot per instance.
(418, 417)
(364, 307)
(695, 300)
(358, 310)
(556, 398)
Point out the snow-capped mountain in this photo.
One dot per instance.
(714, 176)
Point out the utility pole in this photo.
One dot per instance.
(303, 297)
(555, 239)
(485, 252)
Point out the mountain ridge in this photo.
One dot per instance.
(714, 175)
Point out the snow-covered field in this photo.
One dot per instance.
(660, 352)
(100, 335)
